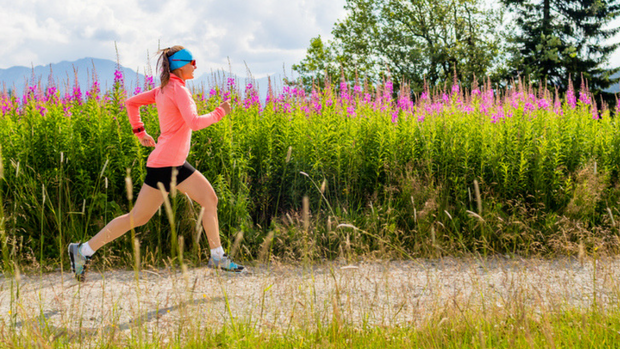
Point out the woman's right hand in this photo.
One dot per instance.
(226, 106)
(147, 141)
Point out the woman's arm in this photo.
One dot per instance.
(133, 105)
(187, 107)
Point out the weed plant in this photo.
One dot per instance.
(517, 171)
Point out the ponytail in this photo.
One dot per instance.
(164, 64)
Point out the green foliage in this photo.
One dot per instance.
(554, 39)
(546, 182)
(414, 40)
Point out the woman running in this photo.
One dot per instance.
(178, 117)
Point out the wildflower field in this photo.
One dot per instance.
(328, 180)
(482, 171)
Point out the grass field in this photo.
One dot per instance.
(435, 303)
(350, 173)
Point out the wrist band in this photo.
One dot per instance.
(138, 130)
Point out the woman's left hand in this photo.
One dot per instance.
(226, 106)
(147, 141)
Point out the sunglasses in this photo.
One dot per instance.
(193, 61)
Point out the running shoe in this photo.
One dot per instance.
(79, 262)
(225, 264)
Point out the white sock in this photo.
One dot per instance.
(86, 251)
(217, 253)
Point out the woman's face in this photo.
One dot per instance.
(186, 72)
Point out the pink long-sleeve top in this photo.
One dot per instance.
(177, 118)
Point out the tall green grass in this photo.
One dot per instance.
(380, 178)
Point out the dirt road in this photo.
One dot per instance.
(279, 297)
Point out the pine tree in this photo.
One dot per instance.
(556, 39)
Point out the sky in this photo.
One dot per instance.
(268, 36)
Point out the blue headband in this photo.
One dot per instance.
(179, 59)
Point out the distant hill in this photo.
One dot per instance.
(614, 88)
(63, 74)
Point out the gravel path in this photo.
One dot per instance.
(283, 296)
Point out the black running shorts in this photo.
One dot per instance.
(155, 175)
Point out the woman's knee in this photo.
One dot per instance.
(214, 199)
(137, 219)
(208, 199)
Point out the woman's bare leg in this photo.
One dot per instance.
(148, 201)
(200, 190)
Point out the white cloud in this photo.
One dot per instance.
(264, 34)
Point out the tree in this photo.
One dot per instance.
(416, 40)
(556, 39)
(320, 64)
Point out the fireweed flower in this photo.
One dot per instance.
(119, 79)
(487, 97)
(77, 94)
(301, 93)
(367, 98)
(316, 101)
(42, 110)
(287, 108)
(498, 114)
(484, 108)
(230, 83)
(251, 97)
(94, 91)
(437, 107)
(387, 92)
(344, 92)
(286, 91)
(50, 93)
(148, 83)
(317, 107)
(67, 110)
(584, 98)
(420, 114)
(543, 104)
(351, 111)
(594, 111)
(404, 103)
(455, 89)
(445, 98)
(571, 100)
(529, 107)
(466, 108)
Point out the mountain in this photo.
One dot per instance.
(616, 87)
(64, 73)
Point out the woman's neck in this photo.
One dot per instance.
(177, 76)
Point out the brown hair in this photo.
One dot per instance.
(164, 64)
